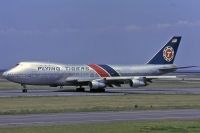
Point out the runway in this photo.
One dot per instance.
(70, 118)
(109, 91)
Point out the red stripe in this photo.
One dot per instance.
(99, 70)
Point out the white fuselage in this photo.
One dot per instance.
(41, 73)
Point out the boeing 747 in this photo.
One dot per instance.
(96, 76)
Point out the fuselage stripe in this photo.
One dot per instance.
(110, 70)
(99, 70)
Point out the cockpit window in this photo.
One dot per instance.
(17, 64)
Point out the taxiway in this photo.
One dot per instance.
(87, 117)
(109, 91)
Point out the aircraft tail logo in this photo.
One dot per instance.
(168, 53)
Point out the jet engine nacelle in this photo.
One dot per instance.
(137, 82)
(97, 85)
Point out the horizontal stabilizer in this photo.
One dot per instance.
(184, 67)
(175, 68)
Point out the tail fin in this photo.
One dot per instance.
(168, 53)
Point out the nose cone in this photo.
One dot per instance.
(5, 74)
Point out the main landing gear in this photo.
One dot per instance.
(97, 90)
(24, 90)
(80, 89)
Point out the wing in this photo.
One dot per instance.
(134, 81)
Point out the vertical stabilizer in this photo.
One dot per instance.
(168, 53)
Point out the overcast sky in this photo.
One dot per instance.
(97, 31)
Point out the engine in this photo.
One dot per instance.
(97, 85)
(137, 82)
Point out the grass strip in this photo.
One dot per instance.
(29, 105)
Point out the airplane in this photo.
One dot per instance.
(97, 76)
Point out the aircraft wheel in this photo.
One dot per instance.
(97, 90)
(24, 90)
(80, 89)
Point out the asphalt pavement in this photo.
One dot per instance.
(91, 117)
(109, 91)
